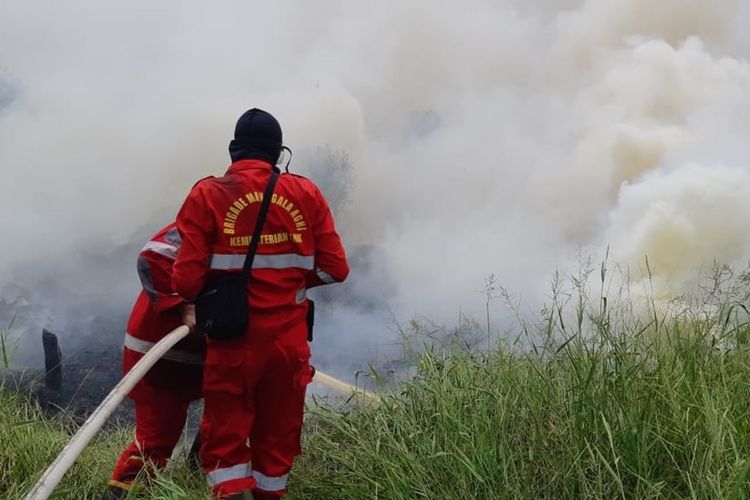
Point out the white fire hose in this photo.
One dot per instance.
(342, 387)
(54, 473)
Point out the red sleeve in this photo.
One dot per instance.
(196, 227)
(155, 269)
(330, 258)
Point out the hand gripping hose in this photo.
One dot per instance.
(54, 473)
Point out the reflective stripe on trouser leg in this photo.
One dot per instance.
(218, 476)
(278, 421)
(270, 483)
(227, 418)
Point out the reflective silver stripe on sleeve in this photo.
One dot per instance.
(164, 249)
(143, 346)
(280, 261)
(324, 276)
(173, 237)
(270, 483)
(144, 274)
(219, 476)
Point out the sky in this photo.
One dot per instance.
(459, 140)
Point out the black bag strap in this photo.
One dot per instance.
(253, 247)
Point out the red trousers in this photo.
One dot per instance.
(159, 419)
(254, 402)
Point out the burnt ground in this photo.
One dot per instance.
(86, 377)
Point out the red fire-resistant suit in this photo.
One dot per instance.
(254, 386)
(163, 395)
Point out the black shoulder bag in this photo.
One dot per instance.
(222, 308)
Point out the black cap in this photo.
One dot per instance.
(256, 135)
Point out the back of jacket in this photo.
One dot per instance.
(299, 247)
(155, 313)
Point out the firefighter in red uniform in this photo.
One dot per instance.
(254, 386)
(163, 395)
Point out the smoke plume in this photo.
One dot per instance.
(460, 139)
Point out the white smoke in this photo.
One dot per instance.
(683, 220)
(484, 136)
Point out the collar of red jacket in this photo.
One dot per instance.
(242, 165)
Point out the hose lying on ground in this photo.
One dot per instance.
(54, 473)
(343, 387)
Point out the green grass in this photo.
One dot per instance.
(9, 341)
(594, 399)
(665, 419)
(29, 443)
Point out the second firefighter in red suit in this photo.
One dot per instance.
(254, 386)
(162, 397)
